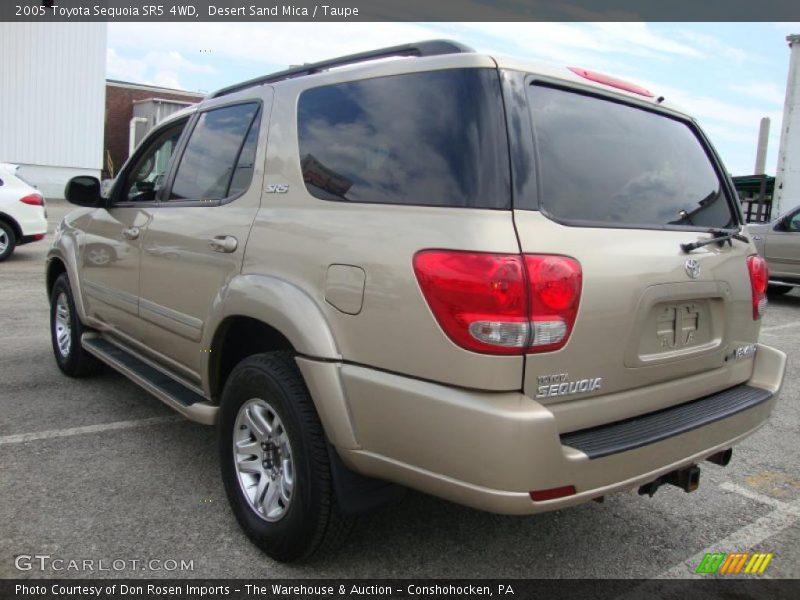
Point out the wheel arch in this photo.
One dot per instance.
(11, 222)
(55, 267)
(62, 258)
(257, 313)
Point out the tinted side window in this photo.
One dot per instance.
(243, 173)
(614, 164)
(145, 178)
(436, 138)
(208, 163)
(794, 222)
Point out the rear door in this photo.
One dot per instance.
(196, 237)
(619, 188)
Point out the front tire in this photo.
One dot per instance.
(275, 463)
(8, 241)
(66, 330)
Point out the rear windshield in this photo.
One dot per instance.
(433, 139)
(606, 163)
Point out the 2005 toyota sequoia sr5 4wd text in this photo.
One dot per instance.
(513, 286)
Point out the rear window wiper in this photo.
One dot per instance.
(720, 237)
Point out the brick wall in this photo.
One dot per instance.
(119, 112)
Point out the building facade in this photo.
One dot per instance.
(133, 109)
(52, 94)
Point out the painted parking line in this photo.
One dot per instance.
(784, 516)
(779, 327)
(87, 429)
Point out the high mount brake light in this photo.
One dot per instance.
(501, 303)
(611, 81)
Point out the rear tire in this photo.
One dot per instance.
(66, 330)
(779, 290)
(275, 463)
(8, 240)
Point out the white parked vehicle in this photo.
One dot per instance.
(23, 217)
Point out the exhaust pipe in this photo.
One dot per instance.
(688, 479)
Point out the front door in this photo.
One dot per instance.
(110, 249)
(195, 240)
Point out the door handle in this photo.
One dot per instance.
(757, 238)
(131, 233)
(223, 243)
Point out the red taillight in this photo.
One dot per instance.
(33, 200)
(501, 303)
(552, 494)
(759, 278)
(478, 299)
(555, 292)
(611, 81)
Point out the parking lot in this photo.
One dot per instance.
(97, 469)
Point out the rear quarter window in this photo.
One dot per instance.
(611, 164)
(433, 139)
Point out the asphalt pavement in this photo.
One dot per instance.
(98, 470)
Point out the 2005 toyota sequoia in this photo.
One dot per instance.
(513, 286)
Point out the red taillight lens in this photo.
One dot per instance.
(33, 200)
(552, 494)
(611, 81)
(501, 303)
(478, 299)
(555, 288)
(759, 278)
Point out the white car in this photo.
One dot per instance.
(23, 217)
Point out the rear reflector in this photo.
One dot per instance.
(552, 494)
(33, 200)
(501, 303)
(759, 278)
(611, 81)
(38, 237)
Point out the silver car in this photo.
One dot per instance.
(779, 243)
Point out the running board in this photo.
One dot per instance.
(164, 386)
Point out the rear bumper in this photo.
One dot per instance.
(32, 222)
(488, 450)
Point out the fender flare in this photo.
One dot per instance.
(290, 310)
(65, 250)
(279, 304)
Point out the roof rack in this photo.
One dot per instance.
(419, 49)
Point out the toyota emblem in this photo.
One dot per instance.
(692, 268)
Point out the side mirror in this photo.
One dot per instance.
(83, 190)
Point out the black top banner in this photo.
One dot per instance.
(400, 10)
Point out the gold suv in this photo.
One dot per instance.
(513, 286)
